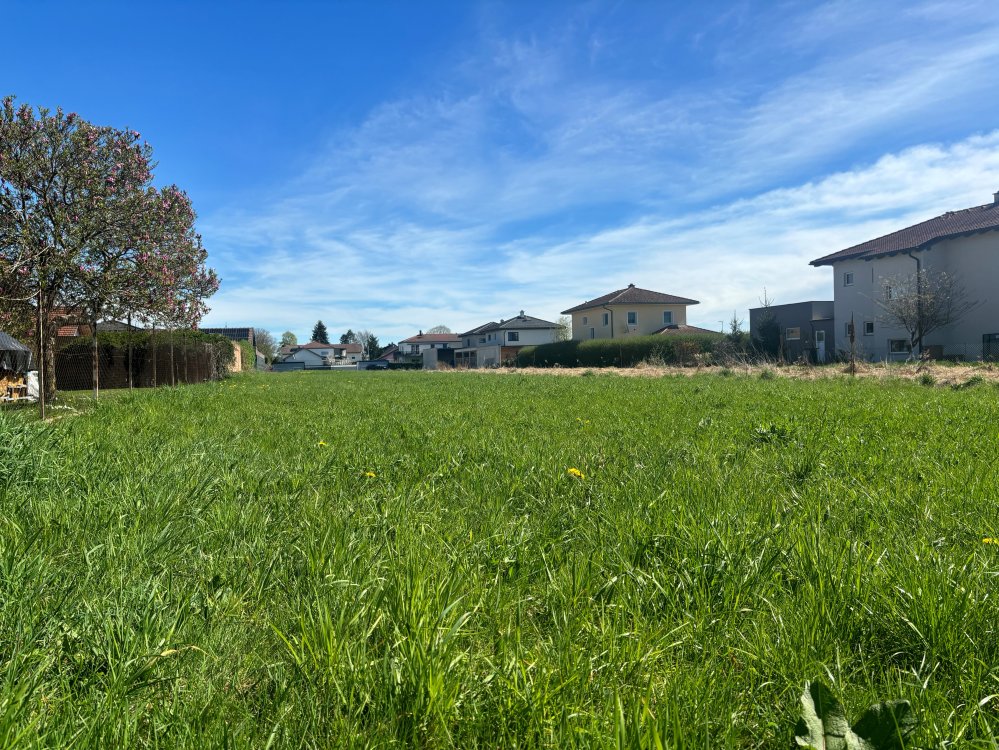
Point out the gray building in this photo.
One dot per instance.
(807, 329)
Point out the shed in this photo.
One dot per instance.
(15, 357)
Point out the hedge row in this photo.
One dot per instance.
(624, 352)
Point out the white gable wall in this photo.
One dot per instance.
(974, 261)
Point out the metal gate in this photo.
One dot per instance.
(990, 347)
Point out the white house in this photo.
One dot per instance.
(495, 343)
(964, 244)
(318, 354)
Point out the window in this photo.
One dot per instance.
(792, 334)
(668, 318)
(593, 333)
(513, 335)
(633, 318)
(868, 327)
(482, 339)
(606, 318)
(414, 348)
(848, 278)
(899, 346)
(586, 320)
(888, 291)
(848, 329)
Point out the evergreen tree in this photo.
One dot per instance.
(319, 333)
(349, 337)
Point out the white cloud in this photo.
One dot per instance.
(522, 180)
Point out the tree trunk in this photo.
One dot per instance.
(51, 329)
(173, 371)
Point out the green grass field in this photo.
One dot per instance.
(373, 559)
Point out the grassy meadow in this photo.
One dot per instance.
(370, 559)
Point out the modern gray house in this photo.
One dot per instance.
(807, 329)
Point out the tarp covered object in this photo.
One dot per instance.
(14, 356)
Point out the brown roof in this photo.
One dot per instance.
(632, 295)
(674, 329)
(920, 236)
(314, 345)
(350, 348)
(432, 338)
(521, 322)
(66, 332)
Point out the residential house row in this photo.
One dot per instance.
(963, 244)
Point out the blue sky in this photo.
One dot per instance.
(397, 165)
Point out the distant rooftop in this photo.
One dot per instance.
(632, 295)
(520, 322)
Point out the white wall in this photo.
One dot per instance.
(530, 337)
(973, 261)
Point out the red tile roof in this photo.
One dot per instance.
(632, 295)
(66, 332)
(920, 236)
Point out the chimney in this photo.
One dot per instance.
(995, 199)
(522, 312)
(420, 333)
(631, 286)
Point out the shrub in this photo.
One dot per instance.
(927, 379)
(623, 352)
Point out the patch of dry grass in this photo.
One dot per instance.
(942, 374)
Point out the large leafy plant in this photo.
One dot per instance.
(823, 724)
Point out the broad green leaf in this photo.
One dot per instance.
(823, 723)
(886, 725)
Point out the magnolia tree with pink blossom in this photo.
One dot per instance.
(82, 228)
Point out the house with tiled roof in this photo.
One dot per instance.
(491, 344)
(318, 354)
(631, 311)
(964, 244)
(421, 342)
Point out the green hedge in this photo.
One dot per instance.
(248, 356)
(624, 352)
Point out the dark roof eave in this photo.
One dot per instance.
(828, 260)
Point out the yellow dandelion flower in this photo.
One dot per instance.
(574, 472)
(322, 443)
(990, 540)
(370, 474)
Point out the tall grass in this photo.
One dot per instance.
(214, 565)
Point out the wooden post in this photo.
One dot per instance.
(41, 350)
(128, 322)
(96, 357)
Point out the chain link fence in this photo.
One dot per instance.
(121, 360)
